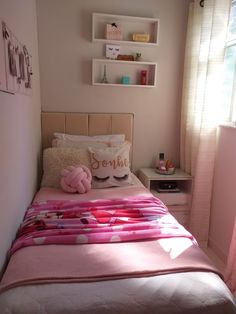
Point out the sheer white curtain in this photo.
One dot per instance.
(230, 272)
(204, 55)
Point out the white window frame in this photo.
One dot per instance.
(232, 105)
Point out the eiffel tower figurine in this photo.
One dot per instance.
(104, 78)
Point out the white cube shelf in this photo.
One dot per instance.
(116, 69)
(129, 25)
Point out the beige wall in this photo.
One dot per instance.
(223, 210)
(19, 129)
(66, 52)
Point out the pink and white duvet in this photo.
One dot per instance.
(98, 221)
(126, 237)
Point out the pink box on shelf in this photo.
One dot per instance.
(114, 32)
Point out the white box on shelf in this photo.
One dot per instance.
(114, 31)
(112, 51)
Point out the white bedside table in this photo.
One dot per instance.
(178, 203)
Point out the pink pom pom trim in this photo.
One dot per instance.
(76, 179)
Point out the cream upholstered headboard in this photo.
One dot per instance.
(85, 124)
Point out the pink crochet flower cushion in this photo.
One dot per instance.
(76, 179)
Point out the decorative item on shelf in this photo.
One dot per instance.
(112, 51)
(141, 37)
(138, 56)
(170, 165)
(143, 77)
(114, 31)
(104, 78)
(125, 57)
(160, 162)
(166, 172)
(125, 80)
(164, 166)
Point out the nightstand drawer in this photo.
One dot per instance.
(181, 216)
(178, 203)
(180, 198)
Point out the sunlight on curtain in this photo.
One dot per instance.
(200, 115)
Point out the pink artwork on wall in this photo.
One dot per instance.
(15, 64)
(3, 83)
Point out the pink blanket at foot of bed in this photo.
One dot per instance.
(96, 262)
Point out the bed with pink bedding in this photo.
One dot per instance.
(110, 250)
(115, 250)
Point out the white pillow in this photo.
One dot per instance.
(56, 159)
(77, 144)
(110, 166)
(97, 138)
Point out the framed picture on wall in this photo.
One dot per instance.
(3, 83)
(17, 63)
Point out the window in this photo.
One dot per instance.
(229, 79)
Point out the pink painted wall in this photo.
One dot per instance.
(223, 210)
(66, 51)
(20, 133)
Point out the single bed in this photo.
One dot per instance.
(157, 273)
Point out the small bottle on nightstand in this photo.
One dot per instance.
(161, 162)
